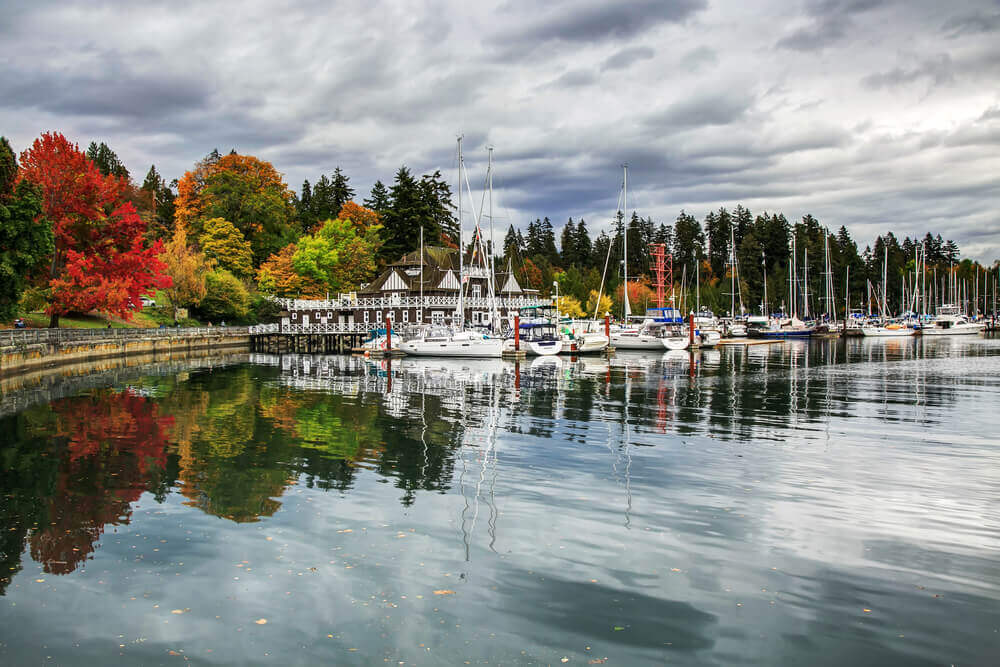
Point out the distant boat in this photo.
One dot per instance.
(780, 328)
(890, 330)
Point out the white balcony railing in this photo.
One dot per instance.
(388, 303)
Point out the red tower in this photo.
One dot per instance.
(663, 270)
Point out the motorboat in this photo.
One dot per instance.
(536, 338)
(949, 322)
(778, 327)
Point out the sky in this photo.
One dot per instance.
(874, 114)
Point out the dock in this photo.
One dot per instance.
(750, 341)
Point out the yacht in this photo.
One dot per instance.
(437, 341)
(536, 338)
(950, 322)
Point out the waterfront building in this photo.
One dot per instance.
(418, 288)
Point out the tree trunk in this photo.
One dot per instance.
(54, 321)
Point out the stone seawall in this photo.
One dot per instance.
(22, 353)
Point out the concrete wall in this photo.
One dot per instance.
(22, 355)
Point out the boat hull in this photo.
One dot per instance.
(883, 332)
(957, 330)
(676, 343)
(490, 348)
(633, 341)
(585, 344)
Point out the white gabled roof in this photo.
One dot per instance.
(394, 283)
(511, 286)
(449, 281)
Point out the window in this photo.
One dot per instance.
(366, 317)
(391, 315)
(378, 316)
(437, 317)
(476, 291)
(406, 315)
(420, 315)
(295, 316)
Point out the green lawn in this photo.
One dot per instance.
(147, 318)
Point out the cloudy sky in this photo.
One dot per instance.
(875, 114)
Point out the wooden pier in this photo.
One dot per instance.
(308, 339)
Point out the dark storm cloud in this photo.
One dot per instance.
(624, 58)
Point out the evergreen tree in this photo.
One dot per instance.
(305, 199)
(439, 220)
(665, 235)
(340, 190)
(742, 221)
(567, 244)
(949, 252)
(548, 240)
(599, 252)
(106, 160)
(26, 238)
(689, 242)
(583, 246)
(378, 200)
(161, 199)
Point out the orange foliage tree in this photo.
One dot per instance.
(277, 276)
(359, 215)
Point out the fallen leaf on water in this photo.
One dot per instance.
(618, 628)
(563, 659)
(38, 581)
(444, 592)
(867, 611)
(596, 661)
(261, 621)
(346, 530)
(179, 611)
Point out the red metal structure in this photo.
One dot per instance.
(663, 270)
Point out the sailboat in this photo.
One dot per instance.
(886, 328)
(458, 341)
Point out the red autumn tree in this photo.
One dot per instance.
(100, 260)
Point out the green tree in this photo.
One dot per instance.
(106, 160)
(339, 256)
(225, 244)
(414, 205)
(161, 200)
(689, 242)
(26, 239)
(226, 297)
(378, 200)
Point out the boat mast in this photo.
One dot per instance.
(421, 308)
(885, 281)
(763, 263)
(627, 309)
(461, 250)
(805, 282)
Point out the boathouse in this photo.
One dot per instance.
(418, 288)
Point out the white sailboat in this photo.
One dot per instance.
(457, 341)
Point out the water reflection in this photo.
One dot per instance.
(616, 501)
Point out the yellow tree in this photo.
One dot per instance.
(604, 307)
(222, 242)
(359, 215)
(187, 267)
(570, 307)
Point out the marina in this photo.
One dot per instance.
(766, 500)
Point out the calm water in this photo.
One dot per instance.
(834, 502)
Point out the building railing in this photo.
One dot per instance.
(314, 328)
(388, 302)
(12, 337)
